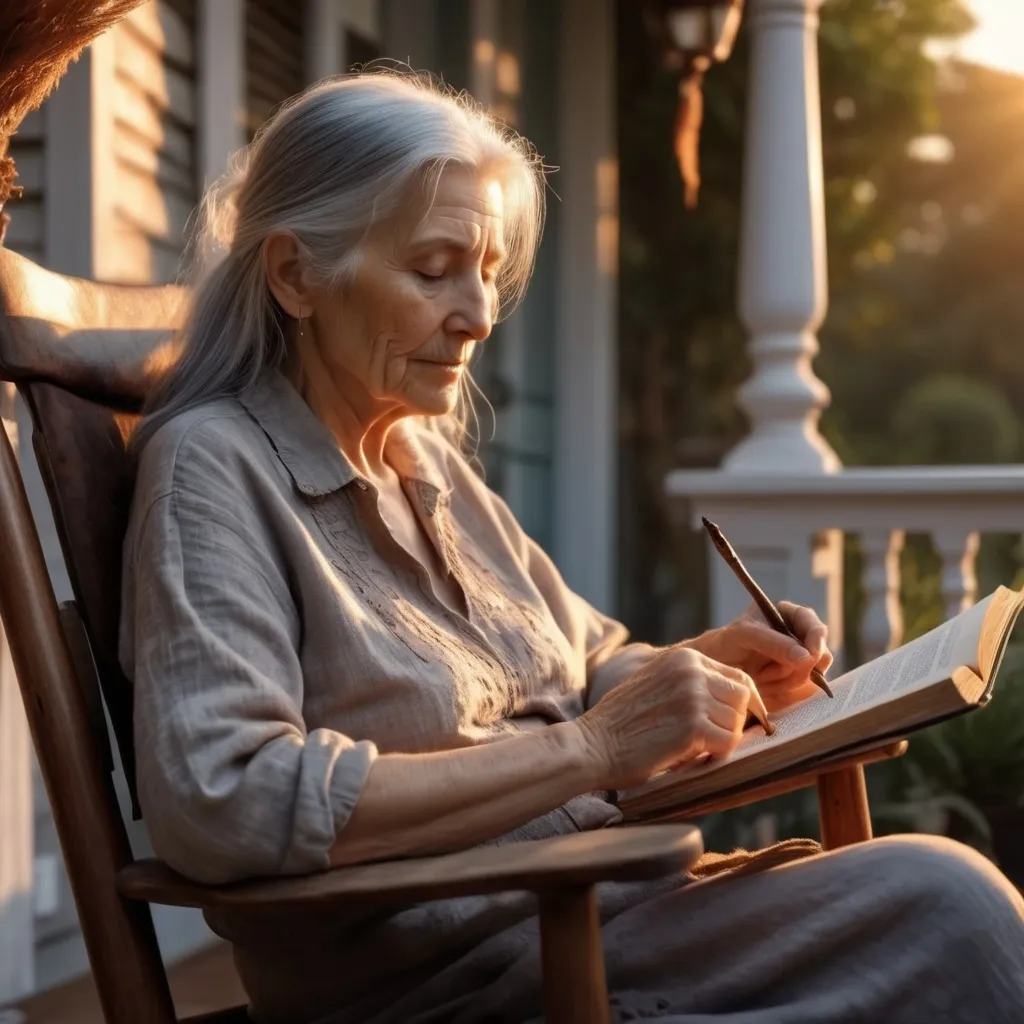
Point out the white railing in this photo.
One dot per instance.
(789, 531)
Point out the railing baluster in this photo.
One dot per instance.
(882, 625)
(958, 549)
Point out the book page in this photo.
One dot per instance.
(928, 659)
(999, 624)
(954, 646)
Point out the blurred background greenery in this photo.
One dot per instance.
(923, 348)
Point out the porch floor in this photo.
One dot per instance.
(203, 982)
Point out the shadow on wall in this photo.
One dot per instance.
(154, 178)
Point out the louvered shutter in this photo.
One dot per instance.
(273, 57)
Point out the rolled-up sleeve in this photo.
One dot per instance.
(231, 782)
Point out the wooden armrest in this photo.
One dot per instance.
(783, 782)
(572, 861)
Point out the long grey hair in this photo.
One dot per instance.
(327, 166)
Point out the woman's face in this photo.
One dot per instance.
(400, 334)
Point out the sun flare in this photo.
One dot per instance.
(999, 38)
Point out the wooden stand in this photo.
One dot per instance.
(798, 778)
(843, 807)
(575, 990)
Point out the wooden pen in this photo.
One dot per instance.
(772, 614)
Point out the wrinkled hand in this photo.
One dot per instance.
(680, 705)
(779, 666)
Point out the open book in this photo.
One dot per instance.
(944, 673)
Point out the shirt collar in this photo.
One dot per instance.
(313, 457)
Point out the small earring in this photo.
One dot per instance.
(301, 318)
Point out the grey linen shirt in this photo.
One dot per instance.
(279, 637)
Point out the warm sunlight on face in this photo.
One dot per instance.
(999, 38)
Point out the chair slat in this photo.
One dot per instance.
(80, 446)
(88, 680)
(119, 936)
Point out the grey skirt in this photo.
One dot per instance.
(902, 930)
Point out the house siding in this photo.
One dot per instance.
(155, 178)
(26, 233)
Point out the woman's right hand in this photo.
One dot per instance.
(680, 705)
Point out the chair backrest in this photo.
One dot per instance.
(82, 355)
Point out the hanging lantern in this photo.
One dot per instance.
(691, 35)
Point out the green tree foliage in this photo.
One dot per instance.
(955, 420)
(946, 298)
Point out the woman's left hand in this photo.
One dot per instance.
(779, 665)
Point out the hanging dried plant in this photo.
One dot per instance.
(38, 39)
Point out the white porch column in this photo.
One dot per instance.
(783, 277)
(221, 124)
(322, 40)
(326, 25)
(17, 942)
(585, 424)
(783, 298)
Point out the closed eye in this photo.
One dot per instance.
(430, 277)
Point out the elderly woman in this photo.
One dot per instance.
(345, 648)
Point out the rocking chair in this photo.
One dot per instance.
(82, 355)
